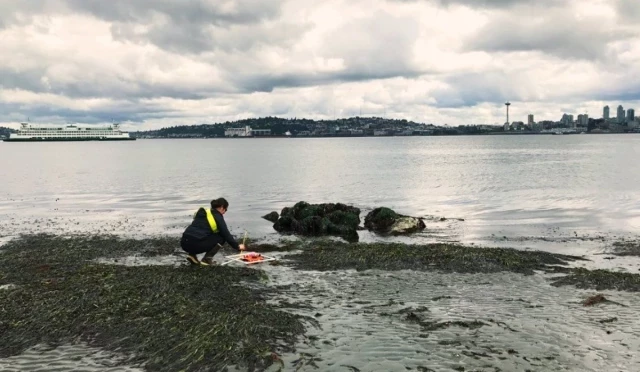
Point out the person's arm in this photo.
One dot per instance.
(224, 232)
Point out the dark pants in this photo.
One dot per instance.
(209, 245)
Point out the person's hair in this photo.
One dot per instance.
(220, 202)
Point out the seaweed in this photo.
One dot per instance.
(325, 256)
(600, 280)
(626, 247)
(164, 318)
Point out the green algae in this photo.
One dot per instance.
(626, 247)
(600, 280)
(162, 317)
(453, 258)
(326, 256)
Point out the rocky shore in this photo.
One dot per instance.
(341, 220)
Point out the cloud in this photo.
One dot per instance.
(556, 32)
(180, 12)
(472, 89)
(492, 4)
(176, 12)
(165, 62)
(628, 10)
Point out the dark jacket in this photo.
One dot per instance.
(200, 229)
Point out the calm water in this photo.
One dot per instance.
(546, 192)
(503, 185)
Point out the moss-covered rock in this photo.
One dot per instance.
(386, 221)
(306, 219)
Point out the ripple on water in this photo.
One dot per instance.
(64, 358)
(525, 323)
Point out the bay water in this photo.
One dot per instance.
(569, 194)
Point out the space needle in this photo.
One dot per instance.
(508, 104)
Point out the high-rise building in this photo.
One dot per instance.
(631, 115)
(583, 120)
(567, 119)
(605, 113)
(530, 122)
(620, 115)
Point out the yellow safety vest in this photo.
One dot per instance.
(212, 221)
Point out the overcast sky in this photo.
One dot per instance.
(150, 64)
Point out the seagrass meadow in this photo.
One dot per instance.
(165, 318)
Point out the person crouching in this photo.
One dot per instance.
(207, 233)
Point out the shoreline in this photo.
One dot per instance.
(387, 136)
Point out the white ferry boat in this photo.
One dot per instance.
(35, 133)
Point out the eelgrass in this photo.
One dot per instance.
(325, 256)
(600, 280)
(453, 258)
(626, 248)
(164, 318)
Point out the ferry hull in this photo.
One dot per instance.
(65, 139)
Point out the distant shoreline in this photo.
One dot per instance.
(400, 136)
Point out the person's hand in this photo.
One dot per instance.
(242, 247)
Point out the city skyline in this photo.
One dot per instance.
(623, 115)
(156, 64)
(629, 115)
